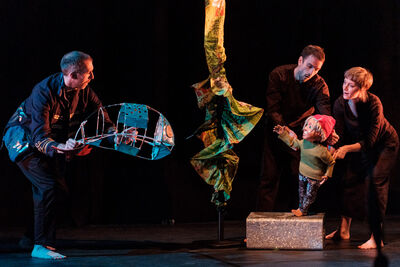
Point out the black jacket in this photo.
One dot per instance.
(290, 102)
(53, 113)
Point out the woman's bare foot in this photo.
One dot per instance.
(343, 235)
(344, 229)
(370, 244)
(297, 212)
(331, 235)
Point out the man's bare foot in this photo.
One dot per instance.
(370, 244)
(335, 235)
(297, 212)
(45, 253)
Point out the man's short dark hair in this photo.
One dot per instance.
(313, 50)
(73, 61)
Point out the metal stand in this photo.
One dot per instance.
(221, 242)
(220, 225)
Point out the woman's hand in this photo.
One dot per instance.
(340, 153)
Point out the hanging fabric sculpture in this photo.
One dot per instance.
(227, 120)
(140, 131)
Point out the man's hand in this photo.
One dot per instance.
(333, 138)
(70, 145)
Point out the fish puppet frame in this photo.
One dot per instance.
(139, 131)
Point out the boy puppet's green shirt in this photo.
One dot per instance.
(315, 159)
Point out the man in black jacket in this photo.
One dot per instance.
(52, 114)
(294, 92)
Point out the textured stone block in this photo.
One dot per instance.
(283, 230)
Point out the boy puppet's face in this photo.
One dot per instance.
(309, 132)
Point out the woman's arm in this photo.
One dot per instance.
(341, 152)
(338, 114)
(375, 121)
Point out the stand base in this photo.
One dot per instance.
(220, 244)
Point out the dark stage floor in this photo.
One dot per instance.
(191, 245)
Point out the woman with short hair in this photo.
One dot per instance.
(369, 145)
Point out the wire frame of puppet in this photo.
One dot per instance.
(131, 135)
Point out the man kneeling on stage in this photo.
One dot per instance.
(38, 137)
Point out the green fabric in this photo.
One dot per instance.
(227, 120)
(315, 159)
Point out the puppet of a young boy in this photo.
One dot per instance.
(316, 162)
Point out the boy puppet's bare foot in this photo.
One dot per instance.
(298, 213)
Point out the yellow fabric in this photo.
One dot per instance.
(227, 120)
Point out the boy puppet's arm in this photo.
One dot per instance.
(287, 136)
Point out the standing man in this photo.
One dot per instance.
(50, 116)
(294, 92)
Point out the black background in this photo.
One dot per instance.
(150, 52)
